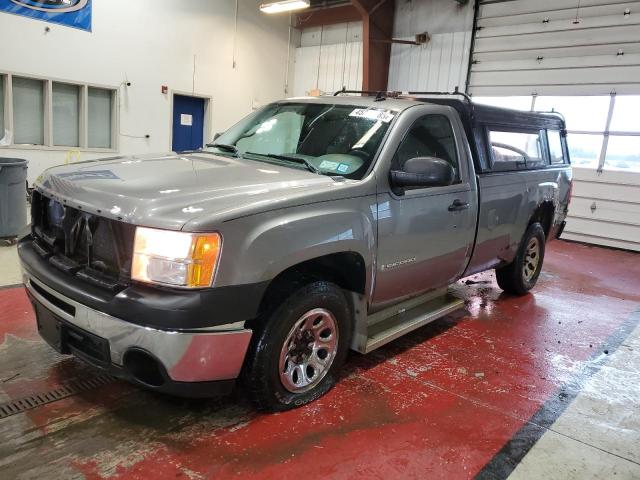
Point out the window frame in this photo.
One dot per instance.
(542, 136)
(563, 147)
(48, 145)
(459, 172)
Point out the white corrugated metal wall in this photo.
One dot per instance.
(440, 64)
(553, 51)
(329, 58)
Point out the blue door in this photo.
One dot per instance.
(188, 123)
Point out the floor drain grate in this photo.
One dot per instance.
(67, 390)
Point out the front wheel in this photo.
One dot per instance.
(522, 274)
(298, 350)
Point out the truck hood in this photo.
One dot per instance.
(171, 190)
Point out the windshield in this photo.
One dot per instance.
(324, 138)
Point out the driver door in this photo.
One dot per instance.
(425, 235)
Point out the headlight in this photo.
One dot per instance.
(175, 258)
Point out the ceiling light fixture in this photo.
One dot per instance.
(284, 6)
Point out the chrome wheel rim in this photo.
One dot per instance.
(308, 350)
(531, 259)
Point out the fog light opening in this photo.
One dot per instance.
(144, 368)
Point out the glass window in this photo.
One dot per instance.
(515, 103)
(625, 114)
(623, 153)
(99, 117)
(581, 113)
(584, 150)
(430, 136)
(277, 134)
(332, 139)
(555, 146)
(28, 111)
(66, 114)
(1, 107)
(513, 150)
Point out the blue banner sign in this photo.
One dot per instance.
(72, 13)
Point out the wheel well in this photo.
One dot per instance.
(544, 215)
(345, 269)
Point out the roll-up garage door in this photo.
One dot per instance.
(581, 58)
(556, 47)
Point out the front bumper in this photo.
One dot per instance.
(191, 363)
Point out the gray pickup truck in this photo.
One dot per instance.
(313, 226)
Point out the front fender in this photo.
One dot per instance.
(257, 248)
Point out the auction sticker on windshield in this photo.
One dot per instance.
(373, 114)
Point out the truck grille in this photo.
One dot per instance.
(90, 247)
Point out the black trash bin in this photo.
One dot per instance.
(13, 197)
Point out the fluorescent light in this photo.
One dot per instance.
(284, 6)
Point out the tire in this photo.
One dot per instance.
(522, 274)
(272, 375)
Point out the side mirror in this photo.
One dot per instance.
(216, 136)
(423, 172)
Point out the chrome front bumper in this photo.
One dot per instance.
(203, 355)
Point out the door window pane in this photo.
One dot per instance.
(513, 150)
(1, 107)
(623, 153)
(66, 116)
(626, 116)
(28, 111)
(584, 150)
(555, 146)
(99, 117)
(581, 113)
(515, 103)
(430, 136)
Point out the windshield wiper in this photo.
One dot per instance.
(310, 166)
(224, 146)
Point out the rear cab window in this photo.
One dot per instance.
(556, 152)
(516, 150)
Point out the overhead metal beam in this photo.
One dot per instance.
(377, 31)
(327, 16)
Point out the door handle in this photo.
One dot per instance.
(458, 205)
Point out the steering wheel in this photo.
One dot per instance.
(522, 153)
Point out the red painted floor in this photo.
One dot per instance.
(438, 403)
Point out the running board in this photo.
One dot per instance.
(383, 332)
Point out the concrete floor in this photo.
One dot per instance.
(542, 386)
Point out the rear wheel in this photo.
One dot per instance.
(298, 350)
(522, 274)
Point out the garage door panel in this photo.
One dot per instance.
(596, 75)
(587, 89)
(600, 240)
(555, 15)
(596, 228)
(558, 63)
(609, 177)
(557, 26)
(606, 211)
(532, 53)
(607, 191)
(581, 36)
(523, 7)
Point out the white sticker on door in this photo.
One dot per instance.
(186, 120)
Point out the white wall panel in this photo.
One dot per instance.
(440, 65)
(328, 68)
(157, 42)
